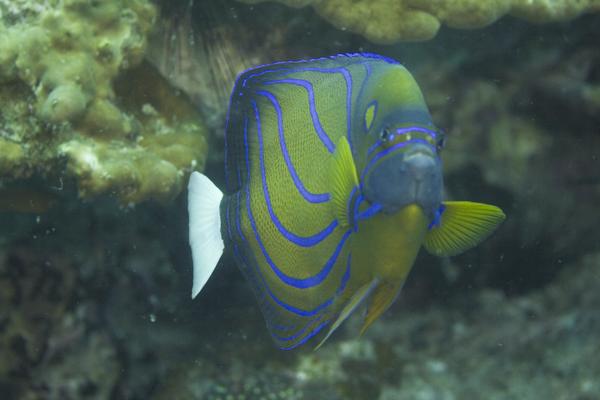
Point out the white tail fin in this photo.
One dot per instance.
(207, 245)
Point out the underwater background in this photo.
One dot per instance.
(106, 107)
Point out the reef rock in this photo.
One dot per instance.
(67, 111)
(389, 21)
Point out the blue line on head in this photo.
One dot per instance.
(311, 197)
(403, 131)
(384, 152)
(304, 241)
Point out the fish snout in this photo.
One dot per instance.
(414, 177)
(421, 166)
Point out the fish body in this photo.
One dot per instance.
(333, 184)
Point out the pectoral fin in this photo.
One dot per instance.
(383, 297)
(461, 226)
(343, 179)
(358, 297)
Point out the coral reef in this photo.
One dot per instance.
(388, 21)
(62, 68)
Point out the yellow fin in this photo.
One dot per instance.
(382, 298)
(358, 297)
(462, 225)
(343, 180)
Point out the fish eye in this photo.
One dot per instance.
(386, 134)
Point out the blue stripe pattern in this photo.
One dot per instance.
(289, 322)
(312, 107)
(304, 241)
(310, 327)
(311, 197)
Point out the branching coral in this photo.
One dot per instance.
(62, 111)
(388, 21)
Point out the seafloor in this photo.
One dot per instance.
(94, 290)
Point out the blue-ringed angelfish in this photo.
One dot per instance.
(333, 184)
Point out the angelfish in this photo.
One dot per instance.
(333, 184)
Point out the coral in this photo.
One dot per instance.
(64, 110)
(388, 21)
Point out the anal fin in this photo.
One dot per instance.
(358, 297)
(382, 298)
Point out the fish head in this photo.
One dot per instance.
(403, 167)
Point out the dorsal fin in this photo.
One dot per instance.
(343, 180)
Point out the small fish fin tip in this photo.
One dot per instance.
(204, 199)
(383, 297)
(356, 300)
(462, 226)
(344, 179)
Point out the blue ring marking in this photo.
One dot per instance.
(311, 197)
(346, 276)
(307, 337)
(295, 282)
(349, 205)
(339, 291)
(403, 131)
(256, 269)
(356, 207)
(299, 332)
(389, 150)
(269, 310)
(362, 86)
(347, 77)
(238, 169)
(288, 280)
(312, 107)
(304, 241)
(374, 209)
(228, 222)
(437, 218)
(371, 57)
(295, 310)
